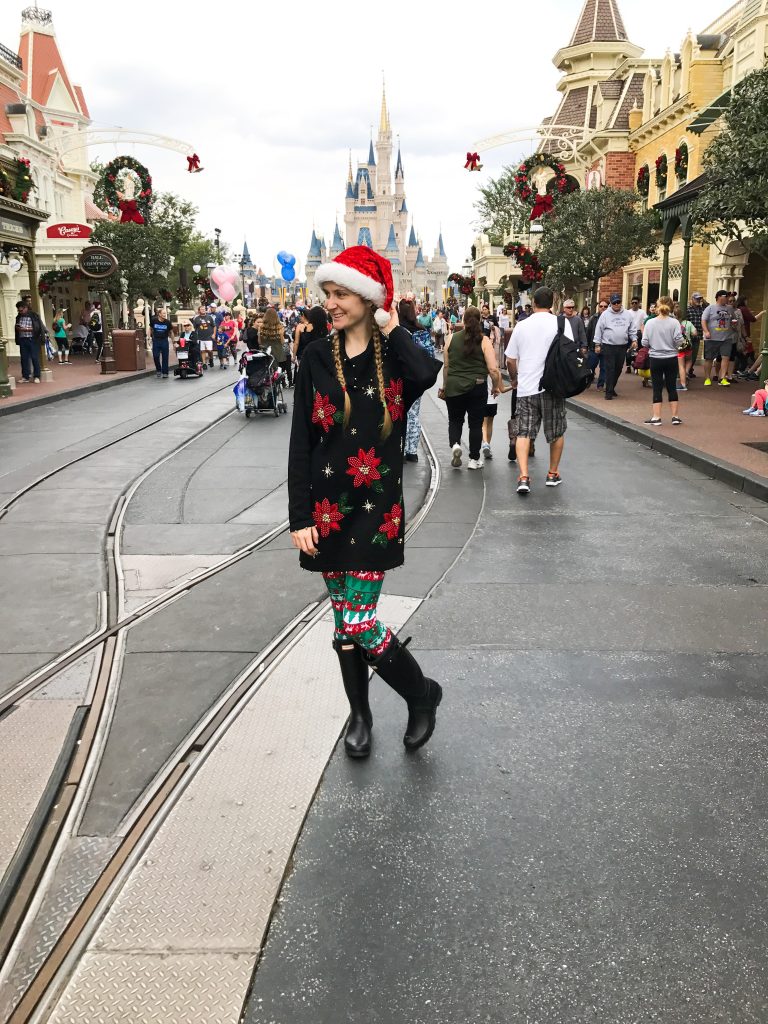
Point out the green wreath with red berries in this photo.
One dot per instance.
(144, 197)
(527, 260)
(466, 285)
(526, 190)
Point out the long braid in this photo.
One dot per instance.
(386, 426)
(341, 379)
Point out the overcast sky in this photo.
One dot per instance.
(273, 96)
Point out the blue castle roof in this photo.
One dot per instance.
(420, 259)
(403, 208)
(412, 239)
(338, 242)
(364, 237)
(362, 175)
(314, 247)
(350, 190)
(371, 157)
(440, 248)
(392, 240)
(399, 166)
(246, 255)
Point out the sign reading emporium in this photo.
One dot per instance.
(68, 231)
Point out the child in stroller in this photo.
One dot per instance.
(263, 385)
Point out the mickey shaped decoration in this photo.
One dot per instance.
(287, 265)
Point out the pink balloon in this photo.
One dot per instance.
(219, 275)
(227, 291)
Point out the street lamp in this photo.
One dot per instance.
(217, 232)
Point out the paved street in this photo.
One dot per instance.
(582, 838)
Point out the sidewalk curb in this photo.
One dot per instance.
(59, 396)
(738, 479)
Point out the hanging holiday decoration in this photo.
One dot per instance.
(473, 162)
(51, 277)
(184, 297)
(644, 181)
(193, 164)
(134, 206)
(24, 183)
(527, 192)
(527, 260)
(681, 161)
(466, 285)
(661, 171)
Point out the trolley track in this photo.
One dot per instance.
(146, 816)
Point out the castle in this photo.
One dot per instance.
(376, 215)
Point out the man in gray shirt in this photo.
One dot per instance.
(614, 333)
(718, 324)
(577, 324)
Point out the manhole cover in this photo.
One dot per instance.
(762, 446)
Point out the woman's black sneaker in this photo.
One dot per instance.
(411, 457)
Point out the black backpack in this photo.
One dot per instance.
(566, 373)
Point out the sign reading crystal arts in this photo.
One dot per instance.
(68, 231)
(97, 261)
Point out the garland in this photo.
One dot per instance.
(466, 284)
(145, 196)
(526, 191)
(644, 181)
(19, 184)
(52, 277)
(661, 171)
(681, 161)
(527, 260)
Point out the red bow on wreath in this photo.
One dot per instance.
(129, 212)
(473, 162)
(543, 204)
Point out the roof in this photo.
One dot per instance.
(403, 208)
(7, 95)
(314, 245)
(371, 157)
(40, 52)
(350, 190)
(391, 241)
(81, 102)
(612, 89)
(92, 212)
(399, 165)
(337, 245)
(362, 175)
(420, 258)
(412, 237)
(573, 109)
(680, 201)
(710, 114)
(440, 247)
(633, 93)
(364, 237)
(600, 21)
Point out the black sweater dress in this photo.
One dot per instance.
(348, 483)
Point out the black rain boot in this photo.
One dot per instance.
(354, 672)
(400, 670)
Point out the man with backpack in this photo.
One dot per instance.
(526, 354)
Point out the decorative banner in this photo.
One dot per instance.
(68, 231)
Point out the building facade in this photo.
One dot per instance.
(376, 214)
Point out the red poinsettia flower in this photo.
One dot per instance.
(327, 517)
(322, 411)
(363, 467)
(392, 520)
(394, 397)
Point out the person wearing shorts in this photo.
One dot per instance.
(526, 355)
(718, 326)
(60, 328)
(491, 408)
(205, 327)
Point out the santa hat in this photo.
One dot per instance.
(365, 273)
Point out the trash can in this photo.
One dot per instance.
(130, 353)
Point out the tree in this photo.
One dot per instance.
(733, 203)
(501, 212)
(592, 234)
(97, 167)
(143, 255)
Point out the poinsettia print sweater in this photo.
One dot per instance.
(348, 482)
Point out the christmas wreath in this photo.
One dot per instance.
(52, 277)
(526, 190)
(466, 285)
(681, 161)
(527, 260)
(661, 171)
(138, 208)
(18, 183)
(644, 181)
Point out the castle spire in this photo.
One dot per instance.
(371, 157)
(399, 173)
(349, 172)
(384, 125)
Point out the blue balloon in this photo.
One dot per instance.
(282, 257)
(288, 273)
(290, 260)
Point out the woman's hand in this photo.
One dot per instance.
(305, 540)
(394, 321)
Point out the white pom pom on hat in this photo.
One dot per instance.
(364, 272)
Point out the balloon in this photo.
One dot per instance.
(282, 257)
(196, 268)
(288, 273)
(219, 275)
(227, 292)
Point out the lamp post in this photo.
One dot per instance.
(217, 232)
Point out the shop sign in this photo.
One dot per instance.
(97, 261)
(14, 228)
(68, 231)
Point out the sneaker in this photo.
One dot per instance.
(512, 454)
(475, 464)
(37, 380)
(158, 375)
(654, 421)
(753, 376)
(411, 457)
(748, 412)
(165, 376)
(682, 387)
(523, 485)
(725, 383)
(676, 421)
(487, 453)
(708, 383)
(691, 374)
(25, 380)
(456, 456)
(757, 412)
(553, 480)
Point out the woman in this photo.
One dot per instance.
(271, 338)
(314, 327)
(467, 361)
(227, 337)
(685, 355)
(585, 314)
(345, 481)
(251, 334)
(663, 336)
(747, 355)
(60, 328)
(423, 338)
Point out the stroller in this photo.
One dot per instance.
(263, 384)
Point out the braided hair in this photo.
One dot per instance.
(386, 426)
